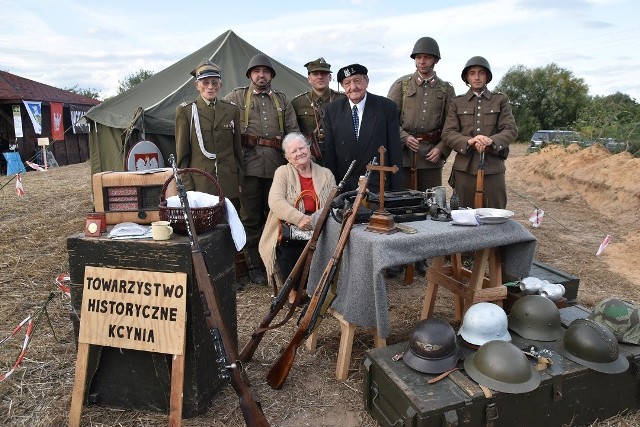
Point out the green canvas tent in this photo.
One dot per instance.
(147, 111)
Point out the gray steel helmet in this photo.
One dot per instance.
(432, 347)
(479, 61)
(536, 318)
(426, 45)
(622, 317)
(260, 60)
(593, 345)
(483, 322)
(502, 366)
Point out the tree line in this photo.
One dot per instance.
(548, 97)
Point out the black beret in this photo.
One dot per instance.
(350, 70)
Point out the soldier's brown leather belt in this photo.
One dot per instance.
(251, 141)
(431, 136)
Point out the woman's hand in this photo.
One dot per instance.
(305, 223)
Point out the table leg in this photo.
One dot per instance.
(431, 292)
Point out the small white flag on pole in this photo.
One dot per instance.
(19, 187)
(603, 245)
(536, 218)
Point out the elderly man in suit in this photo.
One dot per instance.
(356, 126)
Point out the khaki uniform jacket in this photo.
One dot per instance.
(423, 109)
(488, 114)
(220, 135)
(261, 161)
(284, 191)
(304, 105)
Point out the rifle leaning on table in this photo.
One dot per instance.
(410, 268)
(280, 370)
(299, 273)
(229, 364)
(479, 196)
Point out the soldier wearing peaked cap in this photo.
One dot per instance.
(208, 136)
(309, 106)
(265, 118)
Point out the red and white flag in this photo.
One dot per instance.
(536, 218)
(57, 125)
(19, 187)
(603, 245)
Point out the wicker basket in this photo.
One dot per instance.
(204, 219)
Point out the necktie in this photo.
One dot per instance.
(356, 120)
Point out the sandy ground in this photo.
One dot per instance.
(586, 195)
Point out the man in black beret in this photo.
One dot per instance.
(356, 126)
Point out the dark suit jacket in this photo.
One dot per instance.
(379, 126)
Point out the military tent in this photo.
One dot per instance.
(147, 111)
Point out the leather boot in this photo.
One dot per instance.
(256, 276)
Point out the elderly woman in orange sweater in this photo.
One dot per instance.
(299, 174)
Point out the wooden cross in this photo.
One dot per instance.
(382, 168)
(382, 221)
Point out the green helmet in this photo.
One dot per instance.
(621, 317)
(502, 366)
(260, 60)
(432, 347)
(476, 61)
(593, 345)
(427, 46)
(536, 318)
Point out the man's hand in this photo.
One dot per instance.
(480, 142)
(433, 155)
(412, 143)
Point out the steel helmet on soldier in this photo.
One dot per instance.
(536, 318)
(260, 60)
(476, 61)
(502, 366)
(432, 347)
(427, 46)
(621, 317)
(484, 322)
(593, 345)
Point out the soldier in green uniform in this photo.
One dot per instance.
(265, 117)
(422, 99)
(208, 137)
(480, 121)
(309, 106)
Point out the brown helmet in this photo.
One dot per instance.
(260, 60)
(432, 347)
(476, 61)
(427, 46)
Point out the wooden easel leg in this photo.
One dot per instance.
(177, 386)
(312, 341)
(77, 397)
(344, 353)
(431, 291)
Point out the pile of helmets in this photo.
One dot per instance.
(500, 365)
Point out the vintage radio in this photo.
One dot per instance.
(131, 196)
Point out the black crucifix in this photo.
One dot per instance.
(382, 221)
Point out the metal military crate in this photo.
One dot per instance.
(396, 395)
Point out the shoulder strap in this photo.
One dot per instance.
(247, 103)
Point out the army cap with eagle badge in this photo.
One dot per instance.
(206, 69)
(318, 65)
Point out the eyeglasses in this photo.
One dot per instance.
(213, 83)
(357, 81)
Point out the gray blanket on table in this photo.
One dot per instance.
(361, 292)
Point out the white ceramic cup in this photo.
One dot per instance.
(161, 230)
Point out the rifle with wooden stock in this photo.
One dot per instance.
(300, 273)
(229, 364)
(479, 195)
(280, 370)
(409, 271)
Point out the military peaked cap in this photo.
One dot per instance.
(206, 69)
(350, 70)
(318, 65)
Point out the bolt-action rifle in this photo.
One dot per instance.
(477, 203)
(280, 370)
(299, 274)
(229, 365)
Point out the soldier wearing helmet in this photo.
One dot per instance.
(309, 106)
(422, 99)
(265, 117)
(479, 121)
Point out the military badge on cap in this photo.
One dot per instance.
(350, 70)
(206, 69)
(318, 65)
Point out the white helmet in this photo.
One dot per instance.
(484, 322)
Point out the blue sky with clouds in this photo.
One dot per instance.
(96, 44)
